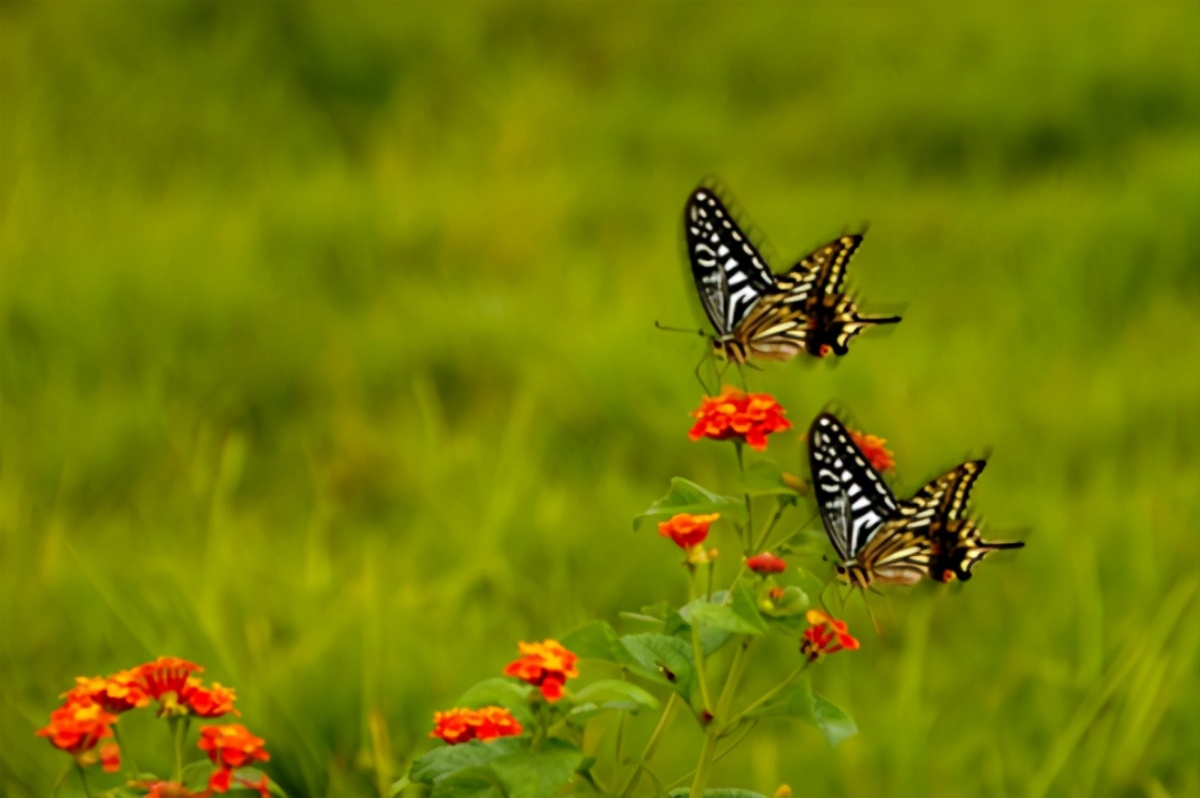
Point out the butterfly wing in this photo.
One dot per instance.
(940, 510)
(853, 499)
(730, 273)
(816, 283)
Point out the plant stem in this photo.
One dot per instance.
(762, 540)
(718, 724)
(179, 728)
(741, 461)
(698, 655)
(651, 745)
(774, 691)
(87, 790)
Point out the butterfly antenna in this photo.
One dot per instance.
(687, 330)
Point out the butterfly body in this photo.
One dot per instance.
(883, 540)
(757, 314)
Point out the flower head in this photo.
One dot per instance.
(546, 665)
(875, 450)
(825, 635)
(230, 747)
(168, 681)
(733, 414)
(463, 725)
(110, 757)
(78, 726)
(168, 789)
(687, 530)
(766, 563)
(209, 702)
(117, 693)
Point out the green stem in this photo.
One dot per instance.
(792, 534)
(718, 724)
(58, 783)
(698, 655)
(774, 691)
(741, 461)
(617, 746)
(779, 510)
(651, 745)
(87, 790)
(179, 729)
(749, 727)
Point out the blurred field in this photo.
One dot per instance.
(328, 359)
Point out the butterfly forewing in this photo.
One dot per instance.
(821, 271)
(853, 499)
(730, 273)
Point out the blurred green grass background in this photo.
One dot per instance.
(328, 359)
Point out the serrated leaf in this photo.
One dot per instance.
(540, 773)
(686, 496)
(663, 659)
(497, 691)
(598, 640)
(435, 765)
(833, 722)
(711, 640)
(254, 776)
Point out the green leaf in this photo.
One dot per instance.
(765, 478)
(688, 497)
(598, 640)
(440, 763)
(398, 786)
(196, 774)
(540, 773)
(711, 639)
(498, 691)
(738, 616)
(794, 701)
(663, 659)
(610, 694)
(799, 701)
(835, 724)
(721, 792)
(475, 782)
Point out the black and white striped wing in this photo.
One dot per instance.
(943, 499)
(729, 271)
(821, 271)
(853, 499)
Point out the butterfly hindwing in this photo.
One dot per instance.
(730, 273)
(853, 499)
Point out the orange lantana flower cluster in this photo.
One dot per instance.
(825, 635)
(463, 725)
(546, 665)
(93, 705)
(733, 414)
(687, 530)
(230, 747)
(766, 563)
(875, 450)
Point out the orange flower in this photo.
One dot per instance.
(77, 726)
(463, 725)
(687, 530)
(546, 665)
(766, 563)
(117, 693)
(825, 635)
(776, 594)
(875, 450)
(110, 757)
(210, 702)
(168, 681)
(232, 745)
(742, 416)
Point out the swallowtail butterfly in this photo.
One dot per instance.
(884, 540)
(756, 313)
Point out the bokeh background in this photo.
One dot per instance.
(328, 360)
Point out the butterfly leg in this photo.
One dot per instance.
(700, 378)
